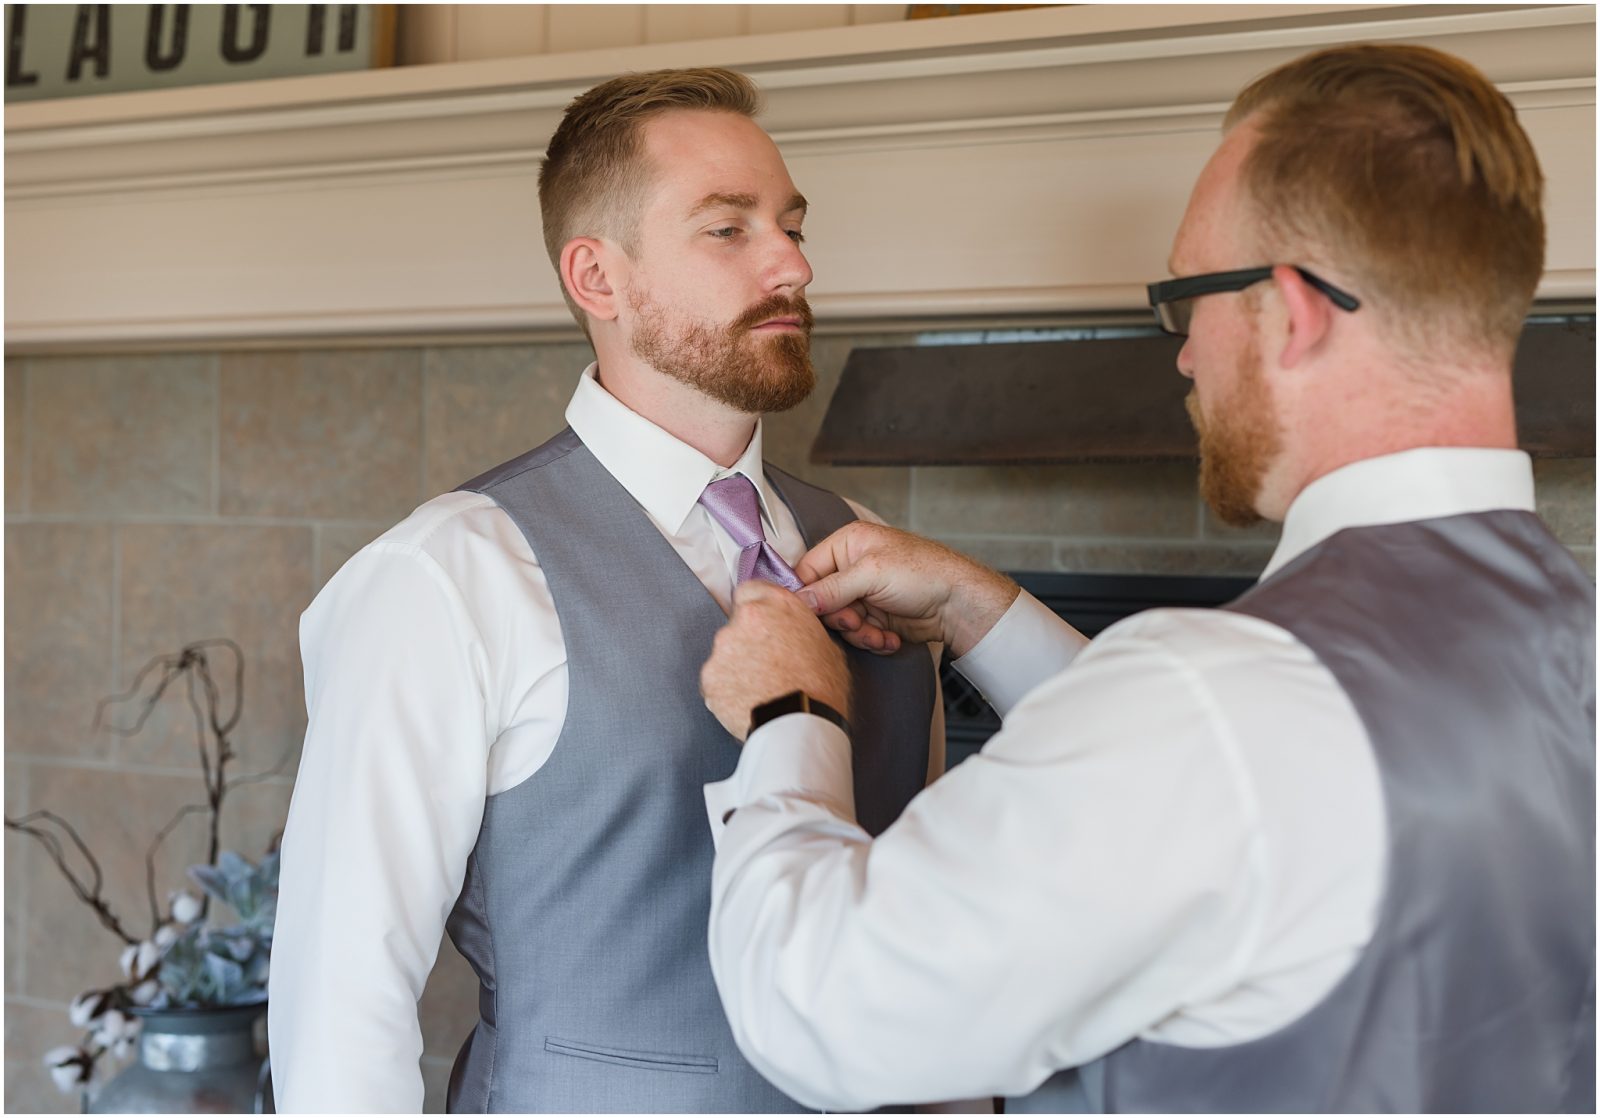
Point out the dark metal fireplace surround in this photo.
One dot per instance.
(1091, 603)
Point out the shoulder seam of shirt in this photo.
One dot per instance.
(428, 524)
(431, 567)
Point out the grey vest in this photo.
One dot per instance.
(1466, 644)
(586, 897)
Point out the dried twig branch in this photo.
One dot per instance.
(87, 892)
(192, 663)
(150, 859)
(170, 663)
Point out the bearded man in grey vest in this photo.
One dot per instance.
(506, 735)
(1329, 848)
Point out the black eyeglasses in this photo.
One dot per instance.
(1173, 300)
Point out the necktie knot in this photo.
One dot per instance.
(732, 503)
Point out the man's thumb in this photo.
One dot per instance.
(827, 594)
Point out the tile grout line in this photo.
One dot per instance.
(911, 499)
(27, 434)
(316, 557)
(91, 764)
(23, 888)
(1091, 541)
(216, 434)
(116, 607)
(190, 520)
(425, 359)
(28, 1001)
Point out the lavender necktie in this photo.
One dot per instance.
(732, 504)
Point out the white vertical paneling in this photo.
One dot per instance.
(594, 26)
(769, 18)
(499, 31)
(678, 23)
(431, 33)
(1563, 137)
(877, 13)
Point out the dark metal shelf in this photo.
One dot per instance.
(1117, 399)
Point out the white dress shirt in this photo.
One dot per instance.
(436, 676)
(1177, 835)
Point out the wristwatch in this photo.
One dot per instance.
(795, 702)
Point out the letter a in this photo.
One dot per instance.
(87, 46)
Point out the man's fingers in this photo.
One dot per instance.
(828, 557)
(756, 590)
(838, 591)
(846, 620)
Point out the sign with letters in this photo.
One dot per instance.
(69, 50)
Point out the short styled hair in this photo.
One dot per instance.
(595, 176)
(1406, 168)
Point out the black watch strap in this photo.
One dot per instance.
(795, 702)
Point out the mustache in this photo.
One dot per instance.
(776, 306)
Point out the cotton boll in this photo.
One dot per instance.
(123, 1048)
(85, 1008)
(166, 936)
(130, 955)
(185, 907)
(149, 956)
(145, 992)
(69, 1067)
(113, 1025)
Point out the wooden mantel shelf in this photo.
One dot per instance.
(1028, 163)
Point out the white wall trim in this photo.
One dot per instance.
(1048, 153)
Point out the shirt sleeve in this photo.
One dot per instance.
(1027, 646)
(1047, 900)
(385, 811)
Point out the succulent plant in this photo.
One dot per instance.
(216, 966)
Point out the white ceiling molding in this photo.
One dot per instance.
(1030, 163)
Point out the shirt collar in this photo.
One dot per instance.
(665, 475)
(1420, 484)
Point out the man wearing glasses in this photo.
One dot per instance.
(1328, 848)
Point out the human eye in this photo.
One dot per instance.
(796, 236)
(724, 232)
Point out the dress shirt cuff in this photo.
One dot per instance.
(1027, 646)
(797, 753)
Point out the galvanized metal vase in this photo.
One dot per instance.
(192, 1061)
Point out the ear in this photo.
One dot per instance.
(1308, 312)
(586, 267)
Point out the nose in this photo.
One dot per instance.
(788, 270)
(1185, 365)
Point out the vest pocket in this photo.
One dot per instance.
(644, 1061)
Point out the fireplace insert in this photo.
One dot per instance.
(1091, 603)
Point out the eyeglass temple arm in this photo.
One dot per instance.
(1341, 299)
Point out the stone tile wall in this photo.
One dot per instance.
(156, 500)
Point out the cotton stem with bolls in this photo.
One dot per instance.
(151, 963)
